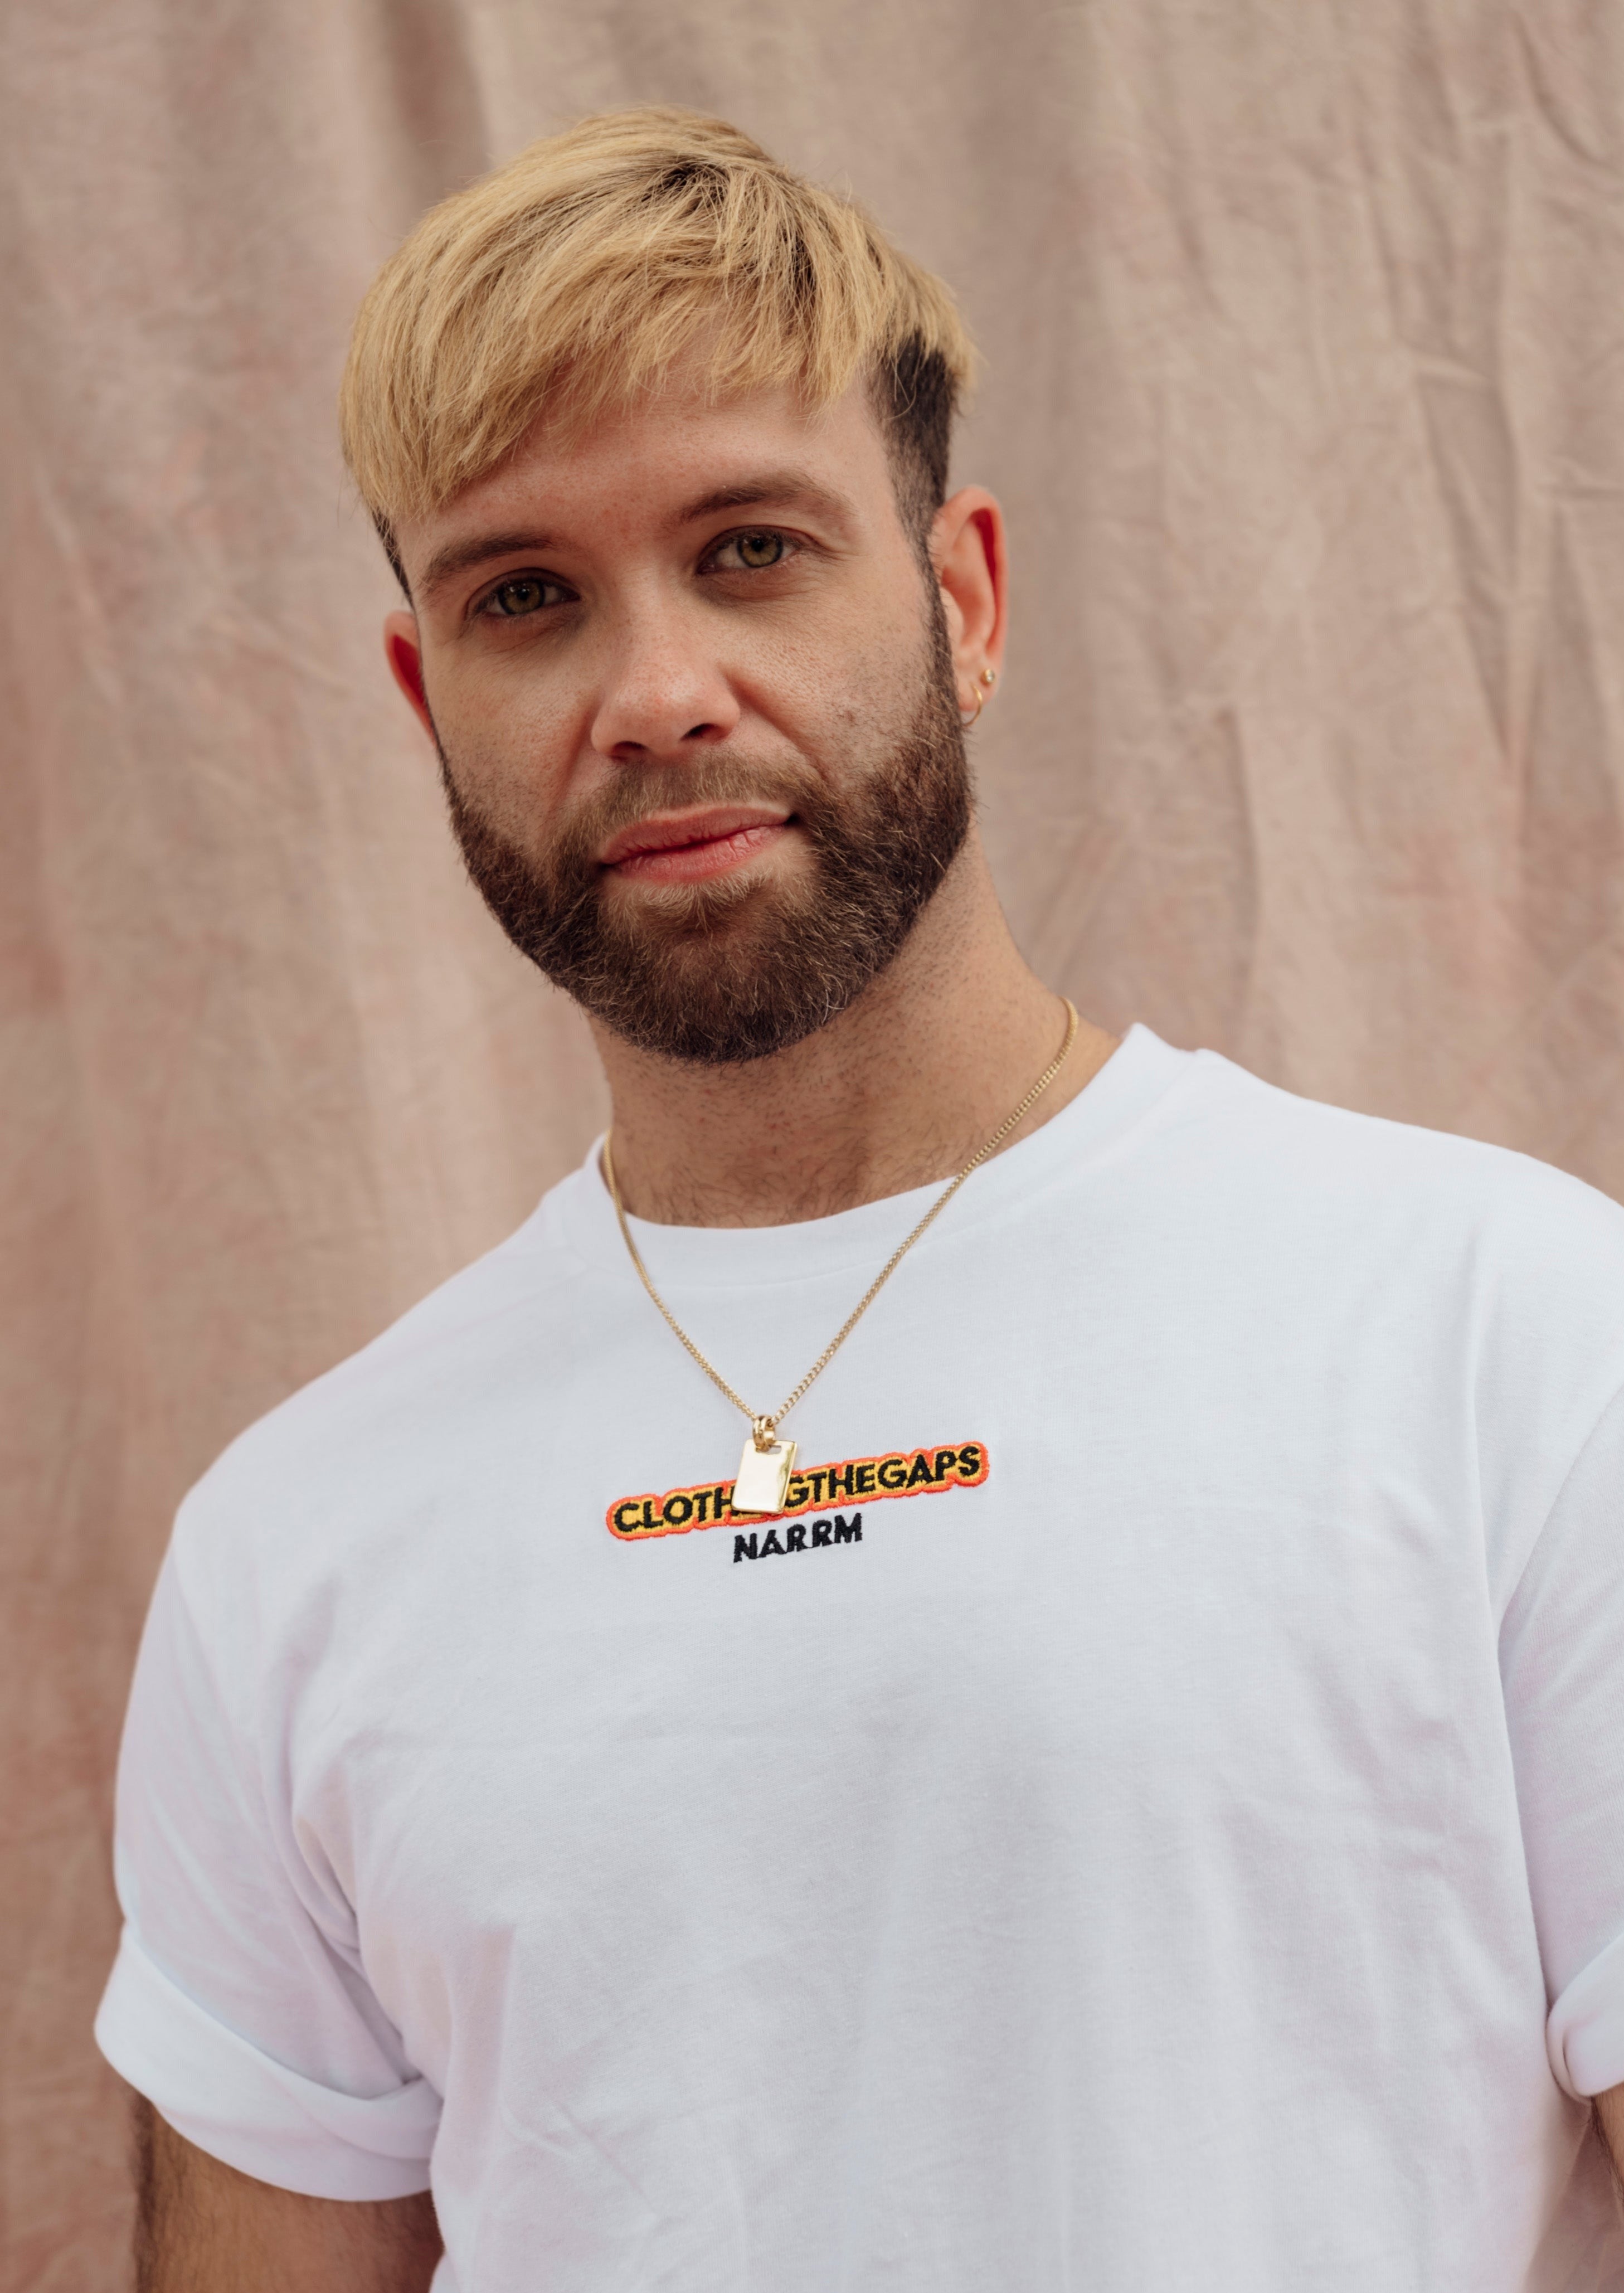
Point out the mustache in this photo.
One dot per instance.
(638, 790)
(727, 971)
(569, 875)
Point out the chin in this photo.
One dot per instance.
(714, 906)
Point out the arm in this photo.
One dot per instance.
(202, 2225)
(1609, 2118)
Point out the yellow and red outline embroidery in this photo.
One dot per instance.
(708, 1504)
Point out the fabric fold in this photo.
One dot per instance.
(240, 2105)
(1585, 2032)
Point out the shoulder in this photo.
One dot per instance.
(1470, 1286)
(1491, 1282)
(340, 1467)
(1312, 1160)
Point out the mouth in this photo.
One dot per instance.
(683, 848)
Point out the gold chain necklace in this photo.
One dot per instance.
(767, 1463)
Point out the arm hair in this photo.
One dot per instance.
(1609, 2111)
(201, 2226)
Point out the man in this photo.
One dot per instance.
(1132, 1798)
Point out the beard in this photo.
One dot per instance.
(741, 966)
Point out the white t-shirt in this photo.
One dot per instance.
(1165, 1831)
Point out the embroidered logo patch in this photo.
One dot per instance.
(900, 1473)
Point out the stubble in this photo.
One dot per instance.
(741, 966)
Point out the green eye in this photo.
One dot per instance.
(758, 550)
(514, 598)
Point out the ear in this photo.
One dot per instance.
(967, 550)
(405, 650)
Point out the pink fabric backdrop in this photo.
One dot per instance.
(1304, 330)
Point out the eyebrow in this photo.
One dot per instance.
(458, 556)
(787, 486)
(784, 486)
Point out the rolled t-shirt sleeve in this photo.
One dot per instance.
(238, 2004)
(1563, 1664)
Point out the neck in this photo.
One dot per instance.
(898, 1091)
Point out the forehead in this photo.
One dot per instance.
(675, 456)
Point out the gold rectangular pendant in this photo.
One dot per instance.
(764, 1477)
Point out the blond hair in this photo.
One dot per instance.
(567, 283)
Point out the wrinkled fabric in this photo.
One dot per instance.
(1305, 336)
(1234, 1716)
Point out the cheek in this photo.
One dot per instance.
(853, 684)
(509, 748)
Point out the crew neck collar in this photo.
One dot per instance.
(580, 1213)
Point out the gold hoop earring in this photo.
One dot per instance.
(988, 677)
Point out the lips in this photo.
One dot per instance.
(683, 847)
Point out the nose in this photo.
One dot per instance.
(663, 694)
